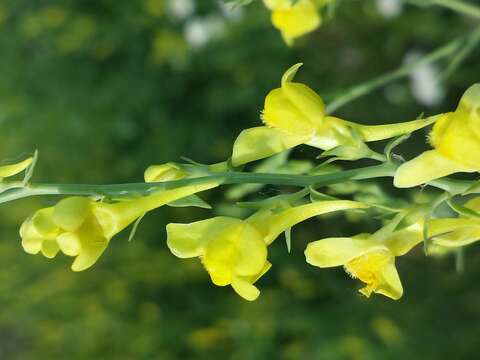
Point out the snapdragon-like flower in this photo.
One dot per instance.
(82, 227)
(234, 251)
(457, 232)
(295, 18)
(456, 142)
(368, 257)
(14, 169)
(294, 114)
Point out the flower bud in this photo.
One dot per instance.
(456, 141)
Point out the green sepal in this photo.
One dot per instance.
(288, 239)
(135, 228)
(31, 168)
(392, 144)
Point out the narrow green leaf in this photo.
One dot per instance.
(30, 170)
(318, 196)
(460, 260)
(192, 200)
(288, 239)
(135, 228)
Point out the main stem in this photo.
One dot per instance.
(141, 189)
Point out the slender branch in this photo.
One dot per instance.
(141, 189)
(460, 7)
(365, 88)
(462, 54)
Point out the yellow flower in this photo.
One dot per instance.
(368, 257)
(456, 232)
(294, 114)
(163, 172)
(456, 142)
(83, 228)
(234, 251)
(14, 169)
(294, 19)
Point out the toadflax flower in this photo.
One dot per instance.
(368, 257)
(294, 114)
(234, 251)
(457, 232)
(82, 227)
(295, 18)
(14, 169)
(456, 142)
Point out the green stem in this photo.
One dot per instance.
(139, 189)
(142, 189)
(460, 7)
(365, 88)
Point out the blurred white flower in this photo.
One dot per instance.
(230, 11)
(390, 8)
(180, 9)
(199, 31)
(425, 81)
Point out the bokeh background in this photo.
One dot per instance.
(104, 88)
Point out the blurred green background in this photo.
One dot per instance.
(104, 88)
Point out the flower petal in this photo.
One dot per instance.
(473, 204)
(69, 243)
(41, 224)
(245, 289)
(261, 142)
(70, 213)
(297, 20)
(426, 167)
(283, 110)
(164, 172)
(306, 100)
(32, 245)
(454, 232)
(49, 248)
(190, 240)
(89, 254)
(402, 241)
(252, 252)
(390, 284)
(337, 251)
(471, 99)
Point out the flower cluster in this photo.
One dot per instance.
(235, 251)
(294, 114)
(83, 227)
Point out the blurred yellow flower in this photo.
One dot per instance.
(368, 257)
(83, 228)
(295, 18)
(456, 142)
(234, 251)
(456, 232)
(294, 114)
(14, 169)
